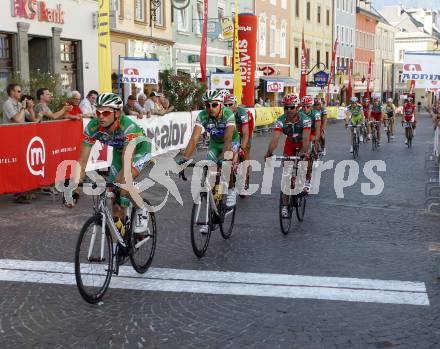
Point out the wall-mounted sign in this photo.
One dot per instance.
(275, 86)
(33, 9)
(222, 81)
(267, 70)
(228, 28)
(321, 78)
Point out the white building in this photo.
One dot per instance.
(53, 36)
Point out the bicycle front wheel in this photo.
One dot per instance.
(285, 222)
(201, 226)
(93, 260)
(300, 207)
(227, 219)
(143, 245)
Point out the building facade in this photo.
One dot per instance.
(53, 36)
(187, 34)
(366, 22)
(273, 46)
(316, 18)
(142, 29)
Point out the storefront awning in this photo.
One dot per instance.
(288, 81)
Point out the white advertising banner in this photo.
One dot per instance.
(140, 71)
(421, 66)
(275, 86)
(428, 84)
(222, 81)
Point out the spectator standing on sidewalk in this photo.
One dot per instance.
(87, 105)
(141, 105)
(130, 107)
(154, 105)
(44, 97)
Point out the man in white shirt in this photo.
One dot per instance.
(153, 104)
(87, 105)
(142, 106)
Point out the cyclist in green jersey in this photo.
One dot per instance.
(244, 123)
(219, 122)
(319, 106)
(113, 128)
(389, 112)
(354, 115)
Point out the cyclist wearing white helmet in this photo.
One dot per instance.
(219, 122)
(389, 112)
(376, 116)
(113, 128)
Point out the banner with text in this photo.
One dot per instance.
(140, 71)
(421, 66)
(37, 151)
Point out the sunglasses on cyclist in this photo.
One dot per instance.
(229, 104)
(212, 105)
(104, 113)
(289, 107)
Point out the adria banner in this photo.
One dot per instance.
(421, 66)
(247, 46)
(37, 151)
(141, 71)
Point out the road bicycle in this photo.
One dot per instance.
(294, 201)
(355, 139)
(374, 134)
(101, 247)
(209, 210)
(387, 127)
(409, 133)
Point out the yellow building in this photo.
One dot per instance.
(316, 17)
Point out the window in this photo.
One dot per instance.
(342, 35)
(351, 37)
(327, 20)
(159, 13)
(308, 58)
(262, 35)
(318, 56)
(273, 33)
(182, 20)
(319, 14)
(139, 10)
(327, 55)
(199, 18)
(308, 10)
(296, 57)
(5, 49)
(297, 8)
(283, 39)
(338, 5)
(401, 55)
(284, 4)
(67, 52)
(337, 32)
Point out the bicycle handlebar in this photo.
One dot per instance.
(286, 158)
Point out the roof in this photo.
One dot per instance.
(370, 13)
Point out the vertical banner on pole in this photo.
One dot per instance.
(350, 83)
(104, 53)
(238, 87)
(369, 80)
(204, 44)
(332, 69)
(247, 47)
(412, 86)
(303, 87)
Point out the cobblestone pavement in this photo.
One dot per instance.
(370, 237)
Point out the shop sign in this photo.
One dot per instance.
(222, 81)
(227, 28)
(33, 9)
(275, 86)
(321, 78)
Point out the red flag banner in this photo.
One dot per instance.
(412, 88)
(332, 69)
(350, 83)
(247, 46)
(31, 153)
(204, 44)
(303, 87)
(369, 79)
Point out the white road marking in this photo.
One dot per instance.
(229, 283)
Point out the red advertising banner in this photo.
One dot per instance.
(203, 46)
(369, 79)
(332, 69)
(247, 46)
(31, 153)
(303, 86)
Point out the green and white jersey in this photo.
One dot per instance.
(216, 127)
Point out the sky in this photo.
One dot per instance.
(432, 4)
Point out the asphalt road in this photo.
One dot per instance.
(358, 272)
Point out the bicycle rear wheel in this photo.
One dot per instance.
(201, 217)
(410, 137)
(300, 207)
(142, 245)
(93, 260)
(285, 222)
(227, 219)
